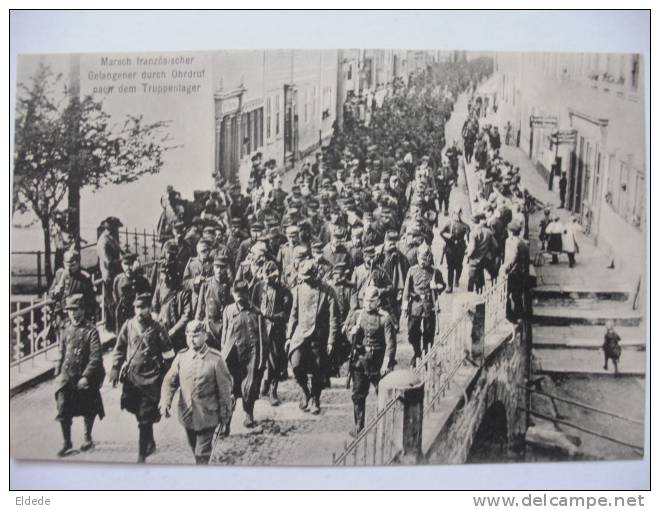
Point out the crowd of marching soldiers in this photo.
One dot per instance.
(259, 281)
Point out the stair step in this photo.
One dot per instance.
(587, 361)
(548, 292)
(586, 337)
(570, 315)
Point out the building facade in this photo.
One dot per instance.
(584, 115)
(281, 103)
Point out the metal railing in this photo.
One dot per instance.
(375, 444)
(438, 367)
(495, 298)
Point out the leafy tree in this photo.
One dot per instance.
(64, 142)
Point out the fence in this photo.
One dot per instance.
(376, 443)
(439, 366)
(28, 273)
(495, 298)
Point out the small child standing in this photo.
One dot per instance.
(611, 347)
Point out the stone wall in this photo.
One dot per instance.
(496, 380)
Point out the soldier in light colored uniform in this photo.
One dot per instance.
(205, 400)
(80, 374)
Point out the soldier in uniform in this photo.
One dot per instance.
(127, 285)
(244, 347)
(178, 247)
(323, 266)
(396, 266)
(214, 296)
(444, 182)
(370, 274)
(273, 300)
(455, 234)
(140, 359)
(172, 303)
(482, 247)
(453, 154)
(235, 238)
(311, 333)
(256, 230)
(344, 292)
(70, 280)
(198, 270)
(80, 374)
(205, 399)
(516, 269)
(373, 334)
(423, 287)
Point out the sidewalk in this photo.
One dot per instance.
(591, 271)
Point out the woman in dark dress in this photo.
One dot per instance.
(611, 347)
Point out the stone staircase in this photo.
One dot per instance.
(569, 326)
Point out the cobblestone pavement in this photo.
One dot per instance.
(284, 435)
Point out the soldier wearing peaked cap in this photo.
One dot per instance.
(140, 358)
(424, 284)
(273, 300)
(373, 335)
(126, 286)
(244, 346)
(311, 333)
(198, 269)
(371, 274)
(172, 303)
(455, 235)
(344, 291)
(205, 398)
(215, 295)
(80, 373)
(69, 280)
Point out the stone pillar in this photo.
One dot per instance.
(475, 306)
(406, 432)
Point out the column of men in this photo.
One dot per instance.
(261, 281)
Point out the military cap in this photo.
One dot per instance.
(478, 217)
(371, 293)
(300, 252)
(367, 213)
(71, 256)
(128, 257)
(271, 221)
(413, 231)
(426, 158)
(355, 162)
(317, 245)
(195, 327)
(376, 162)
(203, 243)
(220, 260)
(357, 231)
(256, 227)
(423, 249)
(209, 229)
(143, 300)
(74, 302)
(392, 236)
(307, 269)
(313, 204)
(179, 225)
(295, 189)
(112, 222)
(369, 250)
(492, 198)
(326, 181)
(292, 230)
(235, 187)
(240, 287)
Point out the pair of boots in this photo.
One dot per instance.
(146, 442)
(269, 390)
(67, 445)
(311, 404)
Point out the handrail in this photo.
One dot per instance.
(27, 309)
(580, 404)
(585, 430)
